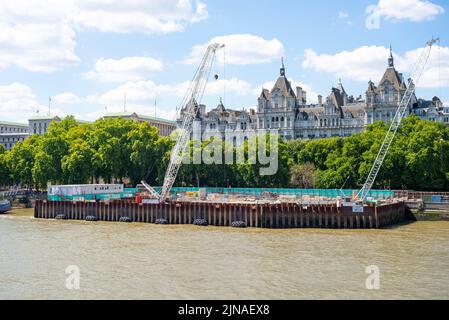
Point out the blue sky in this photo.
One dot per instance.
(87, 54)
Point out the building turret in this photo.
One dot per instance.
(391, 59)
(282, 70)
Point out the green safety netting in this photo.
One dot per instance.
(328, 193)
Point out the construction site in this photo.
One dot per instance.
(263, 208)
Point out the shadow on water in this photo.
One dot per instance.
(400, 225)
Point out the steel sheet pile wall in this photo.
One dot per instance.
(285, 215)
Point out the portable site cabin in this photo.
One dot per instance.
(87, 192)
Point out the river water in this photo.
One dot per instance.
(144, 261)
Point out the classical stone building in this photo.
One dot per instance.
(277, 108)
(11, 133)
(222, 122)
(165, 126)
(40, 124)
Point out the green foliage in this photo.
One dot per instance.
(417, 159)
(5, 174)
(303, 175)
(113, 150)
(20, 160)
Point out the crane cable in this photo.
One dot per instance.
(184, 98)
(439, 69)
(224, 76)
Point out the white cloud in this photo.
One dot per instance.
(35, 36)
(437, 69)
(241, 49)
(125, 69)
(364, 63)
(233, 86)
(66, 98)
(140, 16)
(141, 96)
(144, 93)
(413, 10)
(343, 15)
(17, 102)
(39, 36)
(369, 63)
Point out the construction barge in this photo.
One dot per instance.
(361, 210)
(255, 215)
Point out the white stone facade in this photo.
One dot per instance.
(339, 115)
(11, 133)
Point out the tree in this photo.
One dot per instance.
(110, 141)
(125, 150)
(20, 160)
(77, 166)
(5, 175)
(303, 175)
(54, 146)
(146, 150)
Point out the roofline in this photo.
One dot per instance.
(43, 118)
(141, 116)
(14, 134)
(10, 123)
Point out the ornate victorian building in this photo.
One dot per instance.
(286, 109)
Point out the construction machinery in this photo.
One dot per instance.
(191, 101)
(414, 79)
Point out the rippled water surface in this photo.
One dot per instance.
(144, 261)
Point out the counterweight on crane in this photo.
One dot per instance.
(192, 98)
(400, 112)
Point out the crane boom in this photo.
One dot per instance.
(400, 112)
(194, 95)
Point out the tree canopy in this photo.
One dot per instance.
(119, 150)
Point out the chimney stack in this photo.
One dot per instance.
(299, 93)
(202, 109)
(304, 97)
(320, 100)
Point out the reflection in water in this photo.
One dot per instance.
(181, 262)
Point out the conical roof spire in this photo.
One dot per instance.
(282, 72)
(391, 59)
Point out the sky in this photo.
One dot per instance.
(88, 54)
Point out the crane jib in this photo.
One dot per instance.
(405, 101)
(194, 94)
